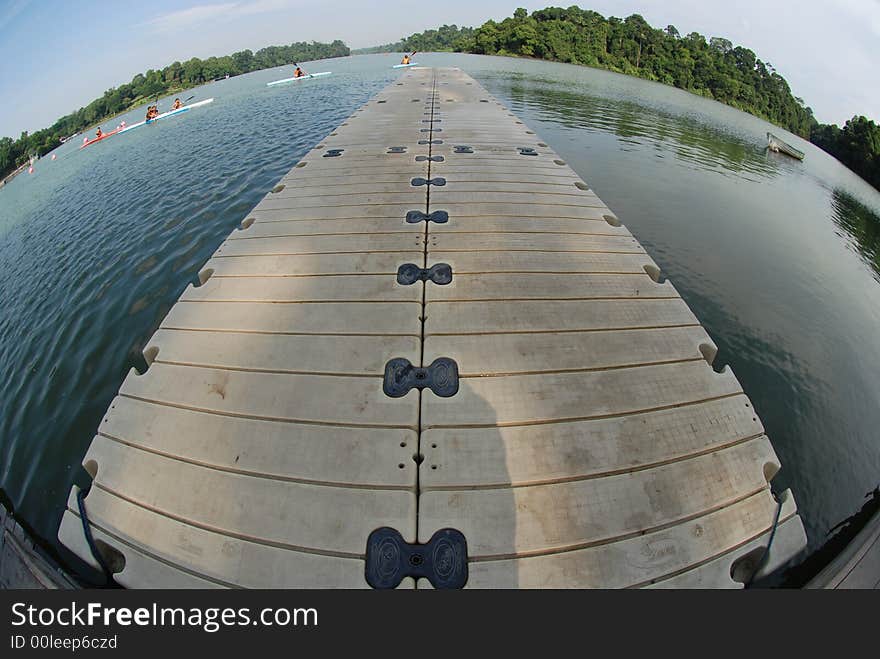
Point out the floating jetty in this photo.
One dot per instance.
(432, 356)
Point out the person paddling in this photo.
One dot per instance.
(177, 104)
(407, 58)
(299, 73)
(99, 133)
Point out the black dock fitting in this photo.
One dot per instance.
(442, 560)
(401, 376)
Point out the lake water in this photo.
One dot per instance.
(780, 259)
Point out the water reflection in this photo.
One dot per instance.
(860, 225)
(705, 146)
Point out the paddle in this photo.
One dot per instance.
(182, 103)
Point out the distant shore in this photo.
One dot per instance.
(13, 174)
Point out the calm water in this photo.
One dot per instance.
(779, 259)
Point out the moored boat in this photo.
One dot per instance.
(779, 146)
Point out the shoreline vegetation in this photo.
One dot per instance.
(712, 68)
(147, 86)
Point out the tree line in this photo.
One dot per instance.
(145, 86)
(857, 145)
(395, 47)
(713, 68)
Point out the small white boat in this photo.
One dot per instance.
(403, 66)
(779, 146)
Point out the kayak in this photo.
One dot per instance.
(170, 113)
(308, 75)
(403, 66)
(98, 139)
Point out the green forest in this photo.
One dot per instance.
(857, 145)
(146, 86)
(713, 68)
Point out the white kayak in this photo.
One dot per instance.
(403, 66)
(305, 77)
(170, 113)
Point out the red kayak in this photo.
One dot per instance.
(103, 136)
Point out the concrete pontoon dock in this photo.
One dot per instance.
(584, 441)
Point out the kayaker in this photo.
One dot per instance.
(152, 112)
(99, 133)
(405, 59)
(177, 104)
(299, 73)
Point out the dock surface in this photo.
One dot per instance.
(590, 442)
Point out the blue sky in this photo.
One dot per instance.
(56, 56)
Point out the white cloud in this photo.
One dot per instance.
(179, 20)
(201, 14)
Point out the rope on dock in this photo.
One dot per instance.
(766, 553)
(87, 531)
